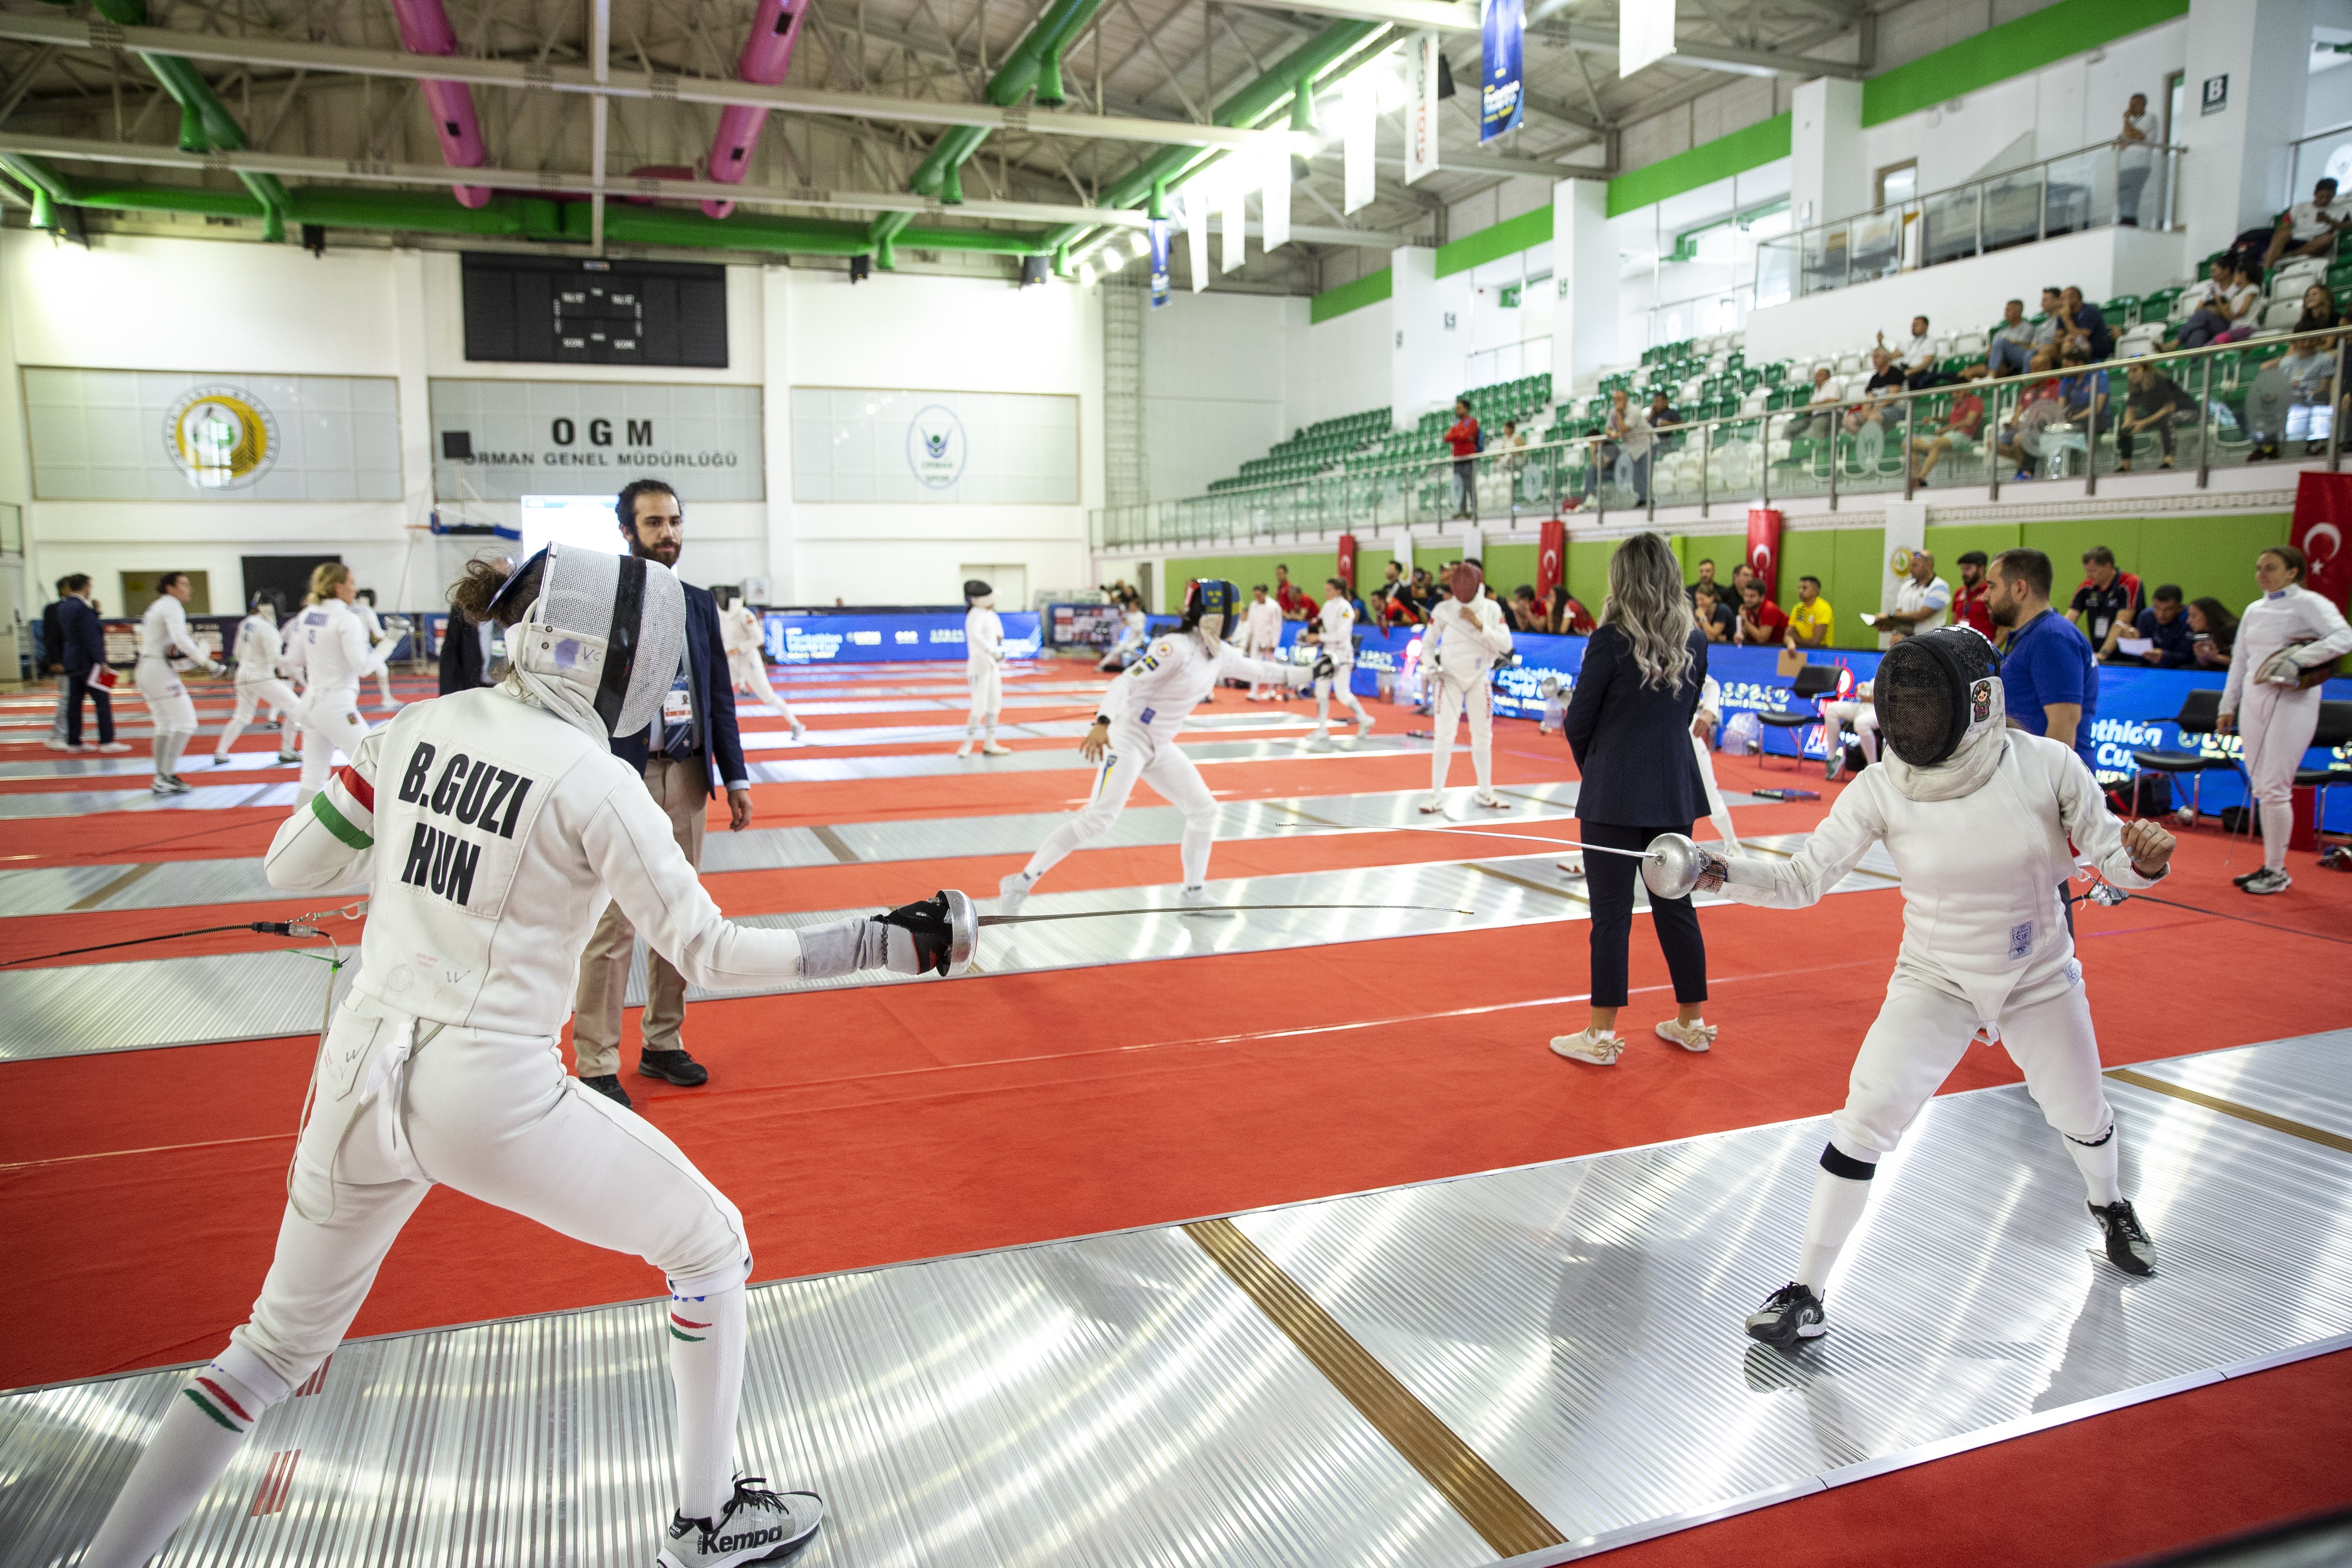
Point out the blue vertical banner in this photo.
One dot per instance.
(1158, 262)
(1500, 105)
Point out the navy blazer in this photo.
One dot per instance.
(83, 634)
(1632, 740)
(714, 700)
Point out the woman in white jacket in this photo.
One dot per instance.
(328, 643)
(163, 637)
(492, 827)
(2286, 637)
(260, 653)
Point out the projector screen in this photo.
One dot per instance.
(587, 523)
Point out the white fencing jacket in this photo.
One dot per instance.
(1337, 620)
(492, 834)
(164, 631)
(2276, 621)
(1158, 692)
(1981, 874)
(983, 638)
(1262, 625)
(1466, 641)
(330, 646)
(258, 650)
(738, 633)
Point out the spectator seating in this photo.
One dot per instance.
(1366, 440)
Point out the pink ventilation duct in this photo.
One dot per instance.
(424, 30)
(767, 55)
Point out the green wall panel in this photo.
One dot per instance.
(1496, 241)
(2029, 43)
(1951, 543)
(1861, 579)
(1369, 289)
(1588, 571)
(1508, 565)
(1704, 164)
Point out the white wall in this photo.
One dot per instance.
(1338, 367)
(1214, 386)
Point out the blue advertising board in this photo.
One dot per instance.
(885, 639)
(1501, 105)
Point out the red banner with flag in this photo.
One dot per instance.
(2323, 510)
(1551, 559)
(1347, 562)
(1764, 549)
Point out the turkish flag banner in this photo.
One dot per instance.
(1551, 559)
(1348, 561)
(2323, 510)
(1764, 549)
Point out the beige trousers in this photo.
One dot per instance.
(678, 788)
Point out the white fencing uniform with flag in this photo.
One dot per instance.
(330, 643)
(1459, 651)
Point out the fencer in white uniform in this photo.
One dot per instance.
(1467, 636)
(1262, 639)
(164, 636)
(260, 665)
(983, 669)
(1703, 723)
(2283, 635)
(1336, 624)
(740, 634)
(1857, 713)
(1978, 819)
(363, 607)
(1134, 737)
(492, 827)
(330, 643)
(1134, 631)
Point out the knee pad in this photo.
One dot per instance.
(1838, 1162)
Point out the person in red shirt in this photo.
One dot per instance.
(1761, 624)
(1964, 424)
(1970, 603)
(1296, 604)
(1464, 440)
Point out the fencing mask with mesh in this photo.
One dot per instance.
(1935, 691)
(608, 629)
(1211, 604)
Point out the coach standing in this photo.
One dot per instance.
(692, 747)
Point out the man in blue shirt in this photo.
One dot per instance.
(2165, 623)
(2049, 676)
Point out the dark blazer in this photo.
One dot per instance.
(1632, 741)
(714, 700)
(83, 636)
(53, 636)
(461, 655)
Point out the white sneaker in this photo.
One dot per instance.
(1012, 893)
(800, 731)
(993, 750)
(1585, 1045)
(2268, 881)
(1693, 1036)
(55, 744)
(1435, 807)
(1489, 804)
(964, 750)
(1322, 732)
(756, 1526)
(168, 787)
(1199, 901)
(112, 748)
(1364, 727)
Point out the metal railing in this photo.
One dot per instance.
(2248, 403)
(2093, 187)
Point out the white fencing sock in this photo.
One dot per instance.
(2099, 1160)
(1721, 817)
(1194, 846)
(198, 1436)
(167, 745)
(1841, 1188)
(1322, 703)
(1058, 843)
(2278, 826)
(706, 1365)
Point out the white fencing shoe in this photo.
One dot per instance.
(1585, 1045)
(1697, 1035)
(1011, 893)
(1787, 1315)
(964, 750)
(993, 750)
(756, 1526)
(800, 731)
(1364, 727)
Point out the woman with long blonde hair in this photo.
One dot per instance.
(1629, 723)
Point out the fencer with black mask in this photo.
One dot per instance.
(983, 669)
(493, 826)
(1134, 737)
(1978, 818)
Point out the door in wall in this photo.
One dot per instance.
(1010, 581)
(286, 578)
(138, 592)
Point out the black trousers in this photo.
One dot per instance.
(1609, 881)
(76, 686)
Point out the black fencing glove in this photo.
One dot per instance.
(1324, 668)
(917, 938)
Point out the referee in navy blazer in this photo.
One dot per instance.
(692, 750)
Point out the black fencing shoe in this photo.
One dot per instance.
(673, 1066)
(609, 1086)
(755, 1526)
(2129, 1248)
(1789, 1314)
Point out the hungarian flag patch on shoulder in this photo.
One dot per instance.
(346, 807)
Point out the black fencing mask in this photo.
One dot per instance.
(1933, 691)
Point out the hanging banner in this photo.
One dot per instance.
(1360, 120)
(1764, 549)
(1347, 572)
(1551, 559)
(1274, 194)
(2323, 510)
(1237, 206)
(1420, 105)
(1196, 237)
(1158, 262)
(1504, 24)
(1645, 34)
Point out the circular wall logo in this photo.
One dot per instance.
(935, 448)
(221, 437)
(1900, 562)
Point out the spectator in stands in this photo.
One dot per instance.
(1887, 378)
(2212, 632)
(1626, 434)
(2108, 601)
(1821, 420)
(1921, 599)
(1567, 615)
(2038, 406)
(2165, 623)
(2080, 325)
(2310, 371)
(1526, 616)
(2318, 310)
(1705, 577)
(1960, 429)
(2047, 331)
(1813, 622)
(1296, 604)
(2084, 392)
(1761, 624)
(2151, 404)
(2049, 676)
(1514, 448)
(1712, 614)
(2223, 308)
(2134, 156)
(1916, 358)
(1425, 590)
(1664, 416)
(2012, 342)
(1462, 437)
(2309, 229)
(1741, 575)
(1970, 608)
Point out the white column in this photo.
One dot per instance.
(2234, 174)
(420, 580)
(1432, 320)
(1584, 282)
(1829, 174)
(776, 420)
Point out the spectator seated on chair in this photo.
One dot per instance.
(1824, 398)
(2152, 404)
(1712, 615)
(2309, 229)
(2012, 350)
(2038, 406)
(1761, 624)
(1916, 358)
(2108, 601)
(1813, 622)
(1887, 378)
(2081, 326)
(1526, 615)
(1960, 429)
(2224, 309)
(2212, 632)
(2165, 623)
(2085, 391)
(1567, 615)
(2319, 312)
(2310, 371)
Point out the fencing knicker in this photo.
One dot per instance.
(1136, 753)
(1343, 681)
(2277, 725)
(986, 679)
(170, 709)
(250, 696)
(330, 722)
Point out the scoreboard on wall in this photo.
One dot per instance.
(534, 310)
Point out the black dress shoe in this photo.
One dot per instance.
(609, 1086)
(673, 1066)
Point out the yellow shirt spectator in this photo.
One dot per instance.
(1813, 622)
